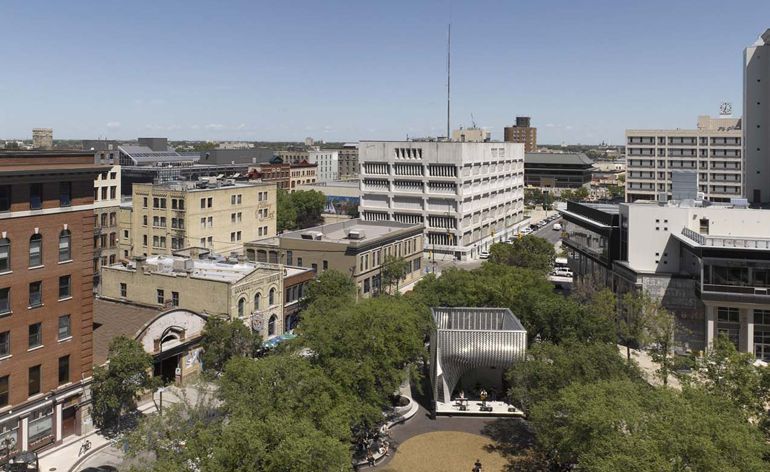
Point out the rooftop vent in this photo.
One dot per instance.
(315, 235)
(356, 234)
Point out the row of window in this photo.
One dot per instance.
(35, 335)
(34, 382)
(35, 250)
(35, 297)
(36, 196)
(100, 193)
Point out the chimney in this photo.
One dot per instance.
(139, 262)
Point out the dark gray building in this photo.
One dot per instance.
(557, 170)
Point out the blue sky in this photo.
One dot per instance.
(348, 70)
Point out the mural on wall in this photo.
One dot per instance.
(342, 205)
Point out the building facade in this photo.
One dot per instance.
(557, 170)
(106, 226)
(301, 174)
(251, 292)
(46, 295)
(348, 161)
(278, 174)
(709, 265)
(217, 215)
(293, 156)
(355, 247)
(42, 138)
(471, 135)
(712, 151)
(467, 195)
(328, 161)
(522, 133)
(756, 119)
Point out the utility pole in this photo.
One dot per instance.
(448, 75)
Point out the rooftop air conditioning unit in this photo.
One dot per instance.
(356, 234)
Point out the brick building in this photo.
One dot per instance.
(46, 298)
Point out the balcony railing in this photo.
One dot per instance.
(726, 241)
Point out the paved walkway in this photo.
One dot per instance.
(648, 367)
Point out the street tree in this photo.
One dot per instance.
(286, 214)
(117, 385)
(637, 311)
(661, 331)
(621, 424)
(224, 339)
(393, 270)
(331, 284)
(530, 252)
(366, 348)
(730, 374)
(551, 367)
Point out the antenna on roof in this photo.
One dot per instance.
(448, 74)
(473, 121)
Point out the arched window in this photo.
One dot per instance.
(65, 246)
(271, 326)
(257, 300)
(241, 307)
(5, 254)
(36, 250)
(271, 297)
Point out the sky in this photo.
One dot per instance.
(365, 69)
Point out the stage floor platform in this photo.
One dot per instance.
(473, 408)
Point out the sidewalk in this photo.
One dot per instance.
(67, 455)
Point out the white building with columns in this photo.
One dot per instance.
(468, 195)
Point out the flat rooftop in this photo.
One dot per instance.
(338, 232)
(207, 269)
(193, 186)
(476, 319)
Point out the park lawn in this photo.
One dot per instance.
(445, 451)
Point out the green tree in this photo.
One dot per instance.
(366, 347)
(662, 331)
(225, 339)
(309, 204)
(581, 193)
(393, 270)
(732, 375)
(330, 285)
(117, 386)
(274, 385)
(286, 217)
(637, 311)
(620, 424)
(552, 367)
(567, 195)
(529, 251)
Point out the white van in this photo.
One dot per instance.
(557, 227)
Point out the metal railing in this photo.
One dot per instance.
(726, 241)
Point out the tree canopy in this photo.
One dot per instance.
(624, 425)
(224, 339)
(299, 209)
(366, 347)
(117, 385)
(530, 252)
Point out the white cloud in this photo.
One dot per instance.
(214, 126)
(113, 124)
(241, 126)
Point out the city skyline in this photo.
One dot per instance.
(352, 71)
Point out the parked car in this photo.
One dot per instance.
(563, 273)
(484, 255)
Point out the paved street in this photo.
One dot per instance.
(547, 232)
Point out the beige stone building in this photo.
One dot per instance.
(354, 247)
(216, 215)
(125, 245)
(711, 155)
(106, 226)
(252, 292)
(300, 174)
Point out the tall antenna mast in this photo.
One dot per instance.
(448, 75)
